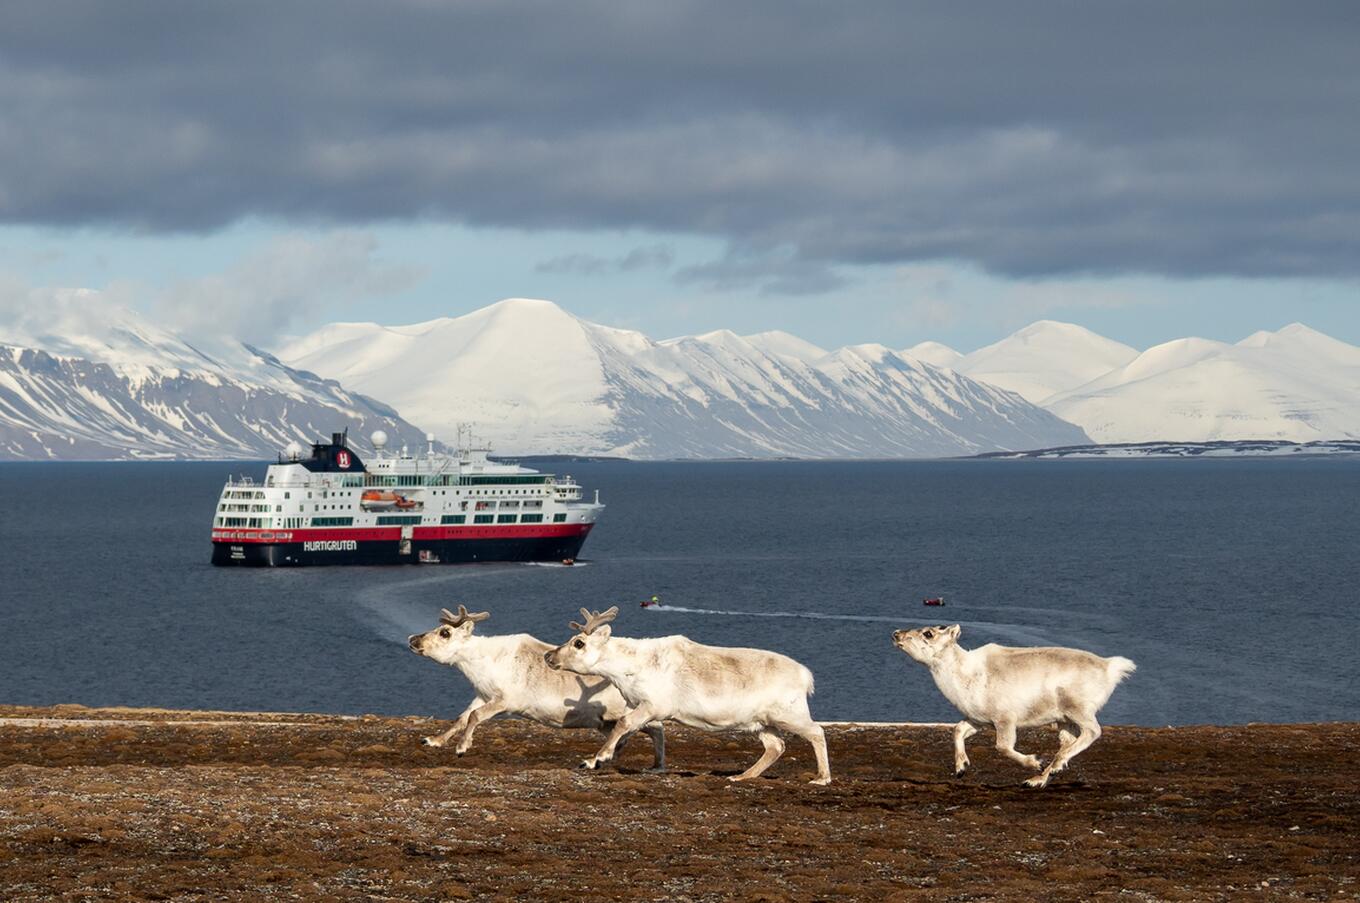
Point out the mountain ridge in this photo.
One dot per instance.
(718, 394)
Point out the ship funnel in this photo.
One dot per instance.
(338, 439)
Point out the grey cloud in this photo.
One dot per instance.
(1030, 139)
(771, 272)
(648, 257)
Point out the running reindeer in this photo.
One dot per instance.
(508, 674)
(713, 688)
(1012, 688)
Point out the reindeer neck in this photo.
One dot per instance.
(951, 659)
(619, 661)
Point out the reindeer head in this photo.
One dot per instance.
(580, 653)
(925, 643)
(442, 643)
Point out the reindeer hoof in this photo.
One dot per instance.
(588, 765)
(1038, 782)
(821, 782)
(656, 769)
(431, 741)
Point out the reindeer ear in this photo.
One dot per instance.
(953, 630)
(602, 631)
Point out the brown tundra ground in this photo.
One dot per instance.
(140, 804)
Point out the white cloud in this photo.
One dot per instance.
(293, 279)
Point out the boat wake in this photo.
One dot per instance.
(1012, 632)
(388, 610)
(555, 564)
(810, 615)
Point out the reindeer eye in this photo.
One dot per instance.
(579, 644)
(445, 632)
(929, 634)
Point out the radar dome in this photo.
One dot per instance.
(293, 451)
(379, 439)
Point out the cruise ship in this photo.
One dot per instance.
(423, 508)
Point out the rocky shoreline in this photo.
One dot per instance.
(148, 804)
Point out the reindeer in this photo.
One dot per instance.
(508, 674)
(709, 687)
(1011, 688)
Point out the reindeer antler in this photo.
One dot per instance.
(594, 619)
(463, 616)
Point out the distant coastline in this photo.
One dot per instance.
(1240, 448)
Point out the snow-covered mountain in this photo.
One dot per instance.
(83, 378)
(934, 353)
(1295, 384)
(533, 378)
(1044, 359)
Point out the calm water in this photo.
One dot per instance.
(1233, 584)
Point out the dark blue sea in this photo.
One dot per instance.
(1235, 585)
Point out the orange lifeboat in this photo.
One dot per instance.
(385, 500)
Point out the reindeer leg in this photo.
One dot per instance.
(657, 733)
(774, 748)
(631, 721)
(1090, 733)
(962, 731)
(1005, 742)
(441, 739)
(492, 708)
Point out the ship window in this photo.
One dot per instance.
(453, 519)
(483, 518)
(332, 521)
(288, 495)
(507, 518)
(397, 520)
(559, 518)
(531, 519)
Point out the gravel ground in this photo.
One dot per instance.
(144, 804)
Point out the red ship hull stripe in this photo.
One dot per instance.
(393, 534)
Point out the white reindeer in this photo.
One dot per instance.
(508, 674)
(713, 688)
(1011, 688)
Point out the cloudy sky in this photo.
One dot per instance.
(848, 172)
